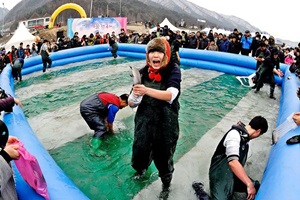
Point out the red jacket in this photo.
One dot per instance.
(108, 98)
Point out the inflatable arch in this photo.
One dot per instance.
(281, 176)
(66, 6)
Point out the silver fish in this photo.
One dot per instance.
(136, 76)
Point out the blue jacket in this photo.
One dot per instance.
(246, 42)
(21, 53)
(224, 45)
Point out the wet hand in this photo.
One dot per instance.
(250, 191)
(12, 151)
(18, 102)
(280, 73)
(296, 118)
(11, 140)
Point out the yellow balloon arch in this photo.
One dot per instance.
(66, 6)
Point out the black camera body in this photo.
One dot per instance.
(3, 95)
(297, 72)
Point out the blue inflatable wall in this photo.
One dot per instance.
(61, 187)
(282, 173)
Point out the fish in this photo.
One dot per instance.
(136, 76)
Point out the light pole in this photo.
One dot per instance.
(2, 19)
(107, 10)
(120, 8)
(91, 8)
(202, 21)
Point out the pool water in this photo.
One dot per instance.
(203, 105)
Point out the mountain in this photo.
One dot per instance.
(135, 10)
(212, 18)
(3, 13)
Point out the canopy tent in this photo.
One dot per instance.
(206, 30)
(215, 30)
(168, 23)
(21, 35)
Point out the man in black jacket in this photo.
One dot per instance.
(267, 70)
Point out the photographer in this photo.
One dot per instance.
(7, 102)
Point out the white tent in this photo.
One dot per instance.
(21, 35)
(168, 23)
(206, 30)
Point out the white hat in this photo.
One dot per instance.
(292, 54)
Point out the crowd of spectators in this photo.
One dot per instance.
(236, 42)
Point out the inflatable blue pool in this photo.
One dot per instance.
(280, 177)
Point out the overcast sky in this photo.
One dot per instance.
(9, 4)
(279, 18)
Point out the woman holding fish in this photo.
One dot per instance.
(156, 121)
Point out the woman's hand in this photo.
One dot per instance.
(139, 90)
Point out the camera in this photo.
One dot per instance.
(297, 72)
(2, 94)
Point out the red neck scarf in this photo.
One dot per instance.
(154, 74)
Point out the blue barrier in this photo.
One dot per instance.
(61, 187)
(281, 176)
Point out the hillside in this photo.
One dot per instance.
(135, 10)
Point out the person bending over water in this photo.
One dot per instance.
(99, 111)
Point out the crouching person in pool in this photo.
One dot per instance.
(226, 172)
(99, 111)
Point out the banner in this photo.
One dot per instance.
(86, 26)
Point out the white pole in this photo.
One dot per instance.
(2, 18)
(120, 8)
(107, 10)
(91, 8)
